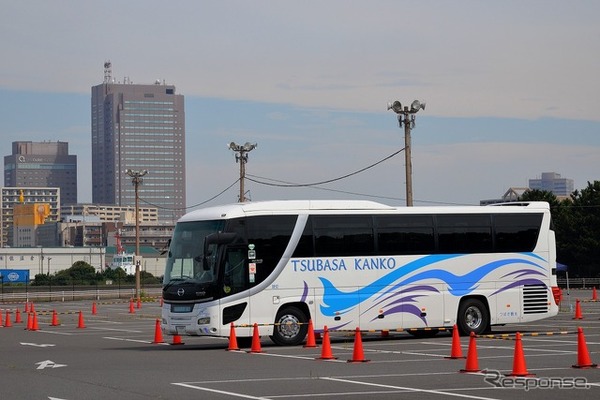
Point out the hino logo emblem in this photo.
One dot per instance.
(180, 292)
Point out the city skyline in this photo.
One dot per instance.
(511, 91)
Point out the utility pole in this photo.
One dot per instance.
(241, 156)
(406, 117)
(136, 179)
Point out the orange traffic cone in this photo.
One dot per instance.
(80, 324)
(29, 322)
(94, 309)
(31, 308)
(26, 307)
(34, 324)
(310, 339)
(18, 316)
(255, 340)
(578, 310)
(472, 364)
(358, 354)
(326, 353)
(54, 319)
(456, 351)
(583, 355)
(176, 340)
(139, 303)
(131, 309)
(7, 323)
(233, 344)
(594, 294)
(519, 367)
(158, 338)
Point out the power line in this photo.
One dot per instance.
(357, 193)
(286, 184)
(192, 206)
(330, 180)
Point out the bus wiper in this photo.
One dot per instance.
(172, 282)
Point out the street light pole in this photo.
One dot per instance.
(241, 156)
(136, 179)
(406, 117)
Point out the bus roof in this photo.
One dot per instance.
(237, 210)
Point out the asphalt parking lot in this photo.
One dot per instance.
(75, 354)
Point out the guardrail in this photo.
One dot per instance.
(34, 294)
(72, 295)
(583, 283)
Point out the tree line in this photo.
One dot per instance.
(576, 221)
(82, 273)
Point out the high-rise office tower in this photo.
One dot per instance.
(43, 164)
(554, 183)
(138, 127)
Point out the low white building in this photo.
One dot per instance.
(44, 260)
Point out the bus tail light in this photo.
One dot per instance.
(557, 293)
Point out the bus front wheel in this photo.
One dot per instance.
(290, 327)
(473, 316)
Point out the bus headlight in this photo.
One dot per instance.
(204, 321)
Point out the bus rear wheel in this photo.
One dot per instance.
(290, 327)
(473, 316)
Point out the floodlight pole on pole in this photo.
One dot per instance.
(241, 156)
(406, 117)
(136, 179)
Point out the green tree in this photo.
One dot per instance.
(577, 225)
(80, 273)
(115, 275)
(583, 235)
(540, 195)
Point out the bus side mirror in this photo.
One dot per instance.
(218, 238)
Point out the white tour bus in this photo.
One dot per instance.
(348, 264)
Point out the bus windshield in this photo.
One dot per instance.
(186, 258)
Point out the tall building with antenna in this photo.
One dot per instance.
(138, 127)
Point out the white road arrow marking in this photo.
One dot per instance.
(37, 345)
(49, 364)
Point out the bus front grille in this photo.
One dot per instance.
(535, 299)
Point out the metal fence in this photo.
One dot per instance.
(583, 283)
(72, 293)
(66, 293)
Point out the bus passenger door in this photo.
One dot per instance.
(235, 280)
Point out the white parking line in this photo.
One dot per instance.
(466, 396)
(114, 329)
(243, 396)
(132, 340)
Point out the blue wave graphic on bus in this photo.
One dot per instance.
(402, 304)
(519, 282)
(338, 302)
(459, 285)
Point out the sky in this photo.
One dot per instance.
(511, 90)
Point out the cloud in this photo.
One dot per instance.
(523, 59)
